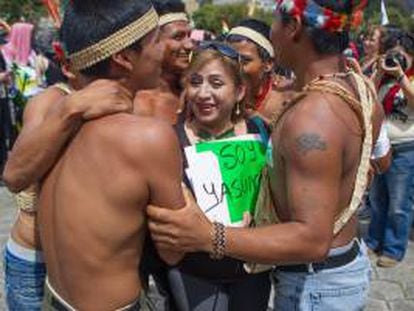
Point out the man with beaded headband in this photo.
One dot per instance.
(175, 31)
(111, 169)
(316, 176)
(251, 38)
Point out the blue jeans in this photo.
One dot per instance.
(339, 289)
(24, 282)
(391, 197)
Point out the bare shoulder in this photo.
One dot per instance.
(311, 128)
(134, 135)
(38, 107)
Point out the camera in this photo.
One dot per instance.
(394, 59)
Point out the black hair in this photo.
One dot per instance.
(89, 21)
(168, 6)
(398, 37)
(326, 42)
(258, 26)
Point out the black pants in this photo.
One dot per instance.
(250, 293)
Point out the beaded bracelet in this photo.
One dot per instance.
(218, 237)
(401, 78)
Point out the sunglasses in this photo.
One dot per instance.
(223, 48)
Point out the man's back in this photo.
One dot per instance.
(92, 212)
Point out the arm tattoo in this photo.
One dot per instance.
(306, 143)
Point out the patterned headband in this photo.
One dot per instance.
(322, 18)
(114, 43)
(173, 17)
(255, 36)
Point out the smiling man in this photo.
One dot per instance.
(175, 31)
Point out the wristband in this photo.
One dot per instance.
(401, 77)
(218, 238)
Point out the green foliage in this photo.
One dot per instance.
(210, 17)
(16, 10)
(397, 14)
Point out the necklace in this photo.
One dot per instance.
(322, 84)
(263, 94)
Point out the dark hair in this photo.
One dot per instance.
(258, 26)
(326, 42)
(396, 37)
(89, 21)
(168, 6)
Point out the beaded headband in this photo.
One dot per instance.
(114, 43)
(173, 17)
(255, 36)
(321, 17)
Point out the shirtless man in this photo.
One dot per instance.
(317, 145)
(251, 38)
(164, 102)
(39, 145)
(103, 180)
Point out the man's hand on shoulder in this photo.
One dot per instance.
(98, 99)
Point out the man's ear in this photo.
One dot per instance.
(70, 75)
(295, 28)
(124, 59)
(268, 65)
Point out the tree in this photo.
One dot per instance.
(210, 17)
(397, 14)
(15, 10)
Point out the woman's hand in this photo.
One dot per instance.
(354, 65)
(183, 230)
(395, 71)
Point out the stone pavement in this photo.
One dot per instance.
(391, 289)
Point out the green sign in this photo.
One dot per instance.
(226, 175)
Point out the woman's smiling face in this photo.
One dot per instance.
(212, 93)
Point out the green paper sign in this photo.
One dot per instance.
(234, 185)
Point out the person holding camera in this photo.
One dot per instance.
(392, 192)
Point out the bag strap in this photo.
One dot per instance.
(261, 127)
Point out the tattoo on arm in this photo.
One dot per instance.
(306, 143)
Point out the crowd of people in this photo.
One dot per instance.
(208, 170)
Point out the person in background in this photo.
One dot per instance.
(21, 58)
(251, 38)
(175, 32)
(6, 120)
(371, 49)
(392, 193)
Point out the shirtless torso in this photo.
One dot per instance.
(92, 208)
(307, 128)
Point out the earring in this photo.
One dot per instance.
(238, 110)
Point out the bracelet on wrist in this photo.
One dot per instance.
(218, 238)
(401, 77)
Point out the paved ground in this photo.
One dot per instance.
(391, 289)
